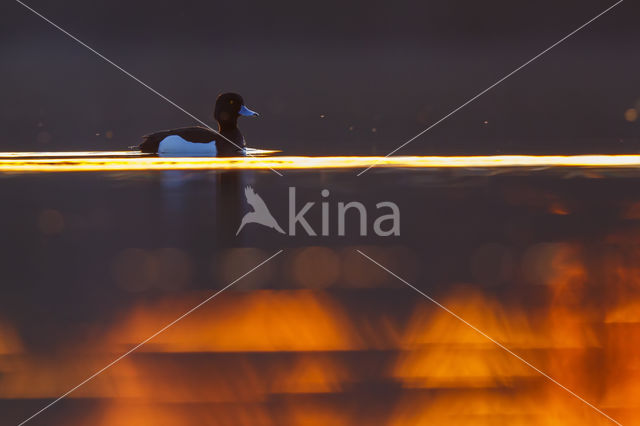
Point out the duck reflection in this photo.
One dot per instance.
(187, 197)
(230, 205)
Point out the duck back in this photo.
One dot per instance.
(151, 142)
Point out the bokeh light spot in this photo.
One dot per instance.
(134, 270)
(316, 267)
(51, 222)
(631, 115)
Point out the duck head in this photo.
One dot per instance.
(230, 106)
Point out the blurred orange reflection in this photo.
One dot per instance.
(258, 321)
(9, 340)
(311, 357)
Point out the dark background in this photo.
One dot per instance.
(395, 67)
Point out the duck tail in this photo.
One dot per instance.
(151, 143)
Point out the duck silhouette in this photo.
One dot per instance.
(200, 141)
(260, 213)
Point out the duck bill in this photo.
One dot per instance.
(247, 112)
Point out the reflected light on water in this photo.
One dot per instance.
(310, 357)
(65, 154)
(260, 321)
(9, 340)
(16, 162)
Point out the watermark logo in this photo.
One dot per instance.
(386, 223)
(260, 214)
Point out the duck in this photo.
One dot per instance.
(202, 141)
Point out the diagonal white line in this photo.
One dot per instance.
(491, 339)
(190, 311)
(495, 84)
(128, 74)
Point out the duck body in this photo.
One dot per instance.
(196, 141)
(201, 141)
(175, 145)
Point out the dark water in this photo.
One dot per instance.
(543, 261)
(328, 78)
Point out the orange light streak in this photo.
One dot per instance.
(126, 161)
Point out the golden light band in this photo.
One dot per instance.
(125, 161)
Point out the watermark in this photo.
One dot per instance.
(383, 220)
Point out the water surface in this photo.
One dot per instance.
(542, 260)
